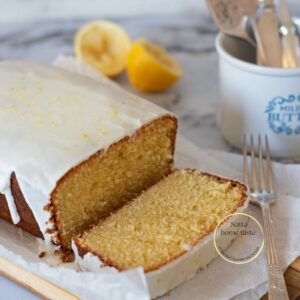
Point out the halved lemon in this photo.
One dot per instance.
(150, 68)
(103, 45)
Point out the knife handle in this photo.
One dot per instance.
(267, 27)
(290, 40)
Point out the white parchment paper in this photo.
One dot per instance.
(220, 280)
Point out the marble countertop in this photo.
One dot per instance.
(190, 40)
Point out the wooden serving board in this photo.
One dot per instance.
(34, 283)
(292, 279)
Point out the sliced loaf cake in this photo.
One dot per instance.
(73, 149)
(164, 221)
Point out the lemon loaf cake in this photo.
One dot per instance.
(164, 222)
(73, 149)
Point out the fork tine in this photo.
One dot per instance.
(269, 166)
(253, 165)
(261, 166)
(245, 152)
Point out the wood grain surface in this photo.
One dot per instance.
(292, 279)
(34, 283)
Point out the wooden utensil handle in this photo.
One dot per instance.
(34, 283)
(267, 28)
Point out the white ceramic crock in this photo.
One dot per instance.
(257, 99)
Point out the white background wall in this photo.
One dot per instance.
(26, 10)
(32, 10)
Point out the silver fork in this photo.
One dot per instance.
(263, 194)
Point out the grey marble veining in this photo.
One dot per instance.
(190, 40)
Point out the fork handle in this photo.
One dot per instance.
(277, 286)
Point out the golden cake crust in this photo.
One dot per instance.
(82, 250)
(52, 206)
(27, 220)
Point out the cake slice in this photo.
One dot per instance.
(163, 223)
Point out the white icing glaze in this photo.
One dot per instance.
(51, 120)
(180, 269)
(72, 64)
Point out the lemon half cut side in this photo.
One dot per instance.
(150, 68)
(103, 45)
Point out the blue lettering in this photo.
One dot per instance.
(290, 108)
(274, 117)
(284, 115)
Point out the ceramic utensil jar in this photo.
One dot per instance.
(257, 99)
